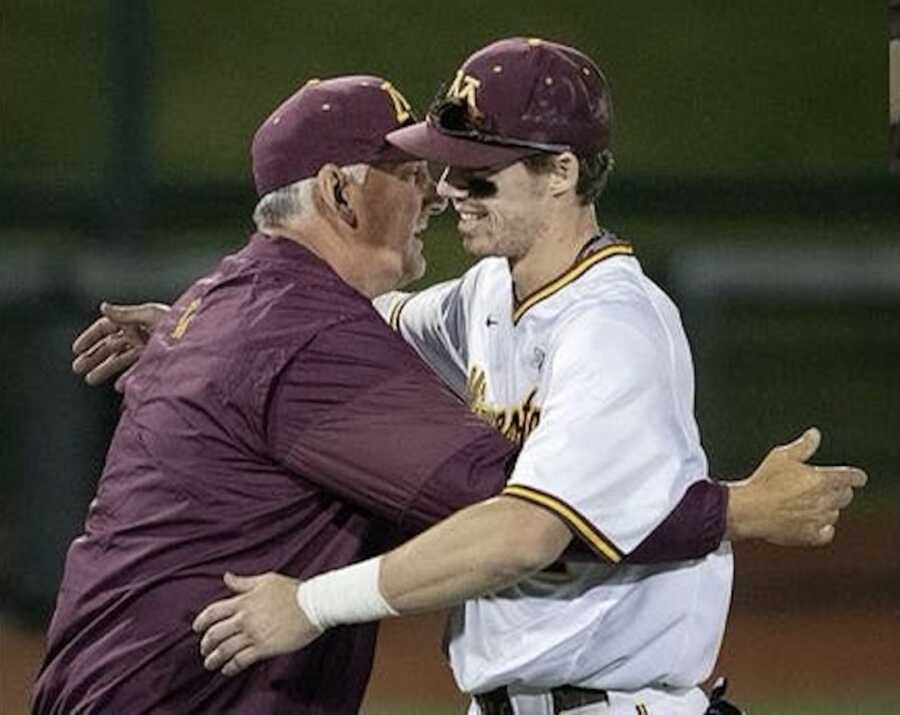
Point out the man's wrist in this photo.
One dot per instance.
(343, 596)
(740, 513)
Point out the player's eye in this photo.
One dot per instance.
(479, 188)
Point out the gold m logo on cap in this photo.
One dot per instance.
(401, 106)
(464, 88)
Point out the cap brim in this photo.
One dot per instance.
(392, 154)
(425, 142)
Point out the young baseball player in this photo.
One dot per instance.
(563, 344)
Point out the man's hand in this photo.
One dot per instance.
(114, 341)
(265, 620)
(788, 502)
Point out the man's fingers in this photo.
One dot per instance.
(226, 651)
(845, 496)
(98, 352)
(218, 633)
(97, 330)
(841, 477)
(112, 366)
(241, 661)
(214, 613)
(804, 446)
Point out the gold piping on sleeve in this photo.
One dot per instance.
(396, 309)
(587, 531)
(575, 272)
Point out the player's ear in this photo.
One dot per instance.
(564, 175)
(332, 196)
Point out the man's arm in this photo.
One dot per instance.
(783, 502)
(482, 549)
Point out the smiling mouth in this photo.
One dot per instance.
(469, 215)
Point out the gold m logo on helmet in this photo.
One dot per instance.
(401, 106)
(464, 88)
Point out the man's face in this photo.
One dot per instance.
(400, 199)
(501, 211)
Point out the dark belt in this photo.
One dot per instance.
(565, 697)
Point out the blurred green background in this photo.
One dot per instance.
(751, 142)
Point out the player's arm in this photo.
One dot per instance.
(433, 322)
(481, 549)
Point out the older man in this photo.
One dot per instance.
(569, 349)
(254, 433)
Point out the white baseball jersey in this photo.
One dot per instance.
(592, 374)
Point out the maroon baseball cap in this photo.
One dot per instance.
(514, 98)
(338, 121)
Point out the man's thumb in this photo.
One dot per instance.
(804, 446)
(145, 315)
(124, 314)
(239, 584)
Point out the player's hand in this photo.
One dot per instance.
(263, 621)
(114, 341)
(789, 502)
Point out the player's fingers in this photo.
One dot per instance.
(214, 613)
(226, 651)
(97, 330)
(804, 446)
(112, 366)
(241, 661)
(218, 633)
(825, 535)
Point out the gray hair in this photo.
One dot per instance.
(276, 208)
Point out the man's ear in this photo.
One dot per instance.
(564, 176)
(332, 195)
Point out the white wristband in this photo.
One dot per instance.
(347, 595)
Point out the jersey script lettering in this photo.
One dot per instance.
(515, 423)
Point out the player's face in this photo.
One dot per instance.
(400, 200)
(500, 211)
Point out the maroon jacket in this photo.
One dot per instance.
(274, 422)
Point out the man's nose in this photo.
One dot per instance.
(433, 202)
(449, 187)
